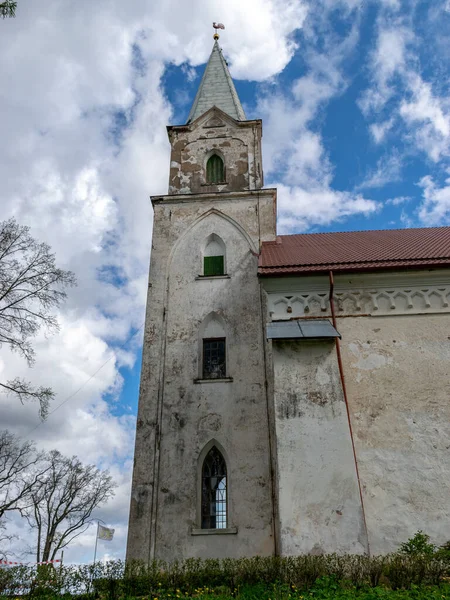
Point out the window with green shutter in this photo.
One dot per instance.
(213, 265)
(215, 171)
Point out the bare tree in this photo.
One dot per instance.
(30, 286)
(21, 470)
(8, 8)
(63, 504)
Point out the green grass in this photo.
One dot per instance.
(323, 590)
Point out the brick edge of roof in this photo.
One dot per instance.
(411, 264)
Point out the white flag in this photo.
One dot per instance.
(104, 533)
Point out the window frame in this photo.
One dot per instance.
(206, 503)
(204, 375)
(213, 248)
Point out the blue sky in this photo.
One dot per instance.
(388, 171)
(354, 97)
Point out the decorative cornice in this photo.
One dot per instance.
(368, 298)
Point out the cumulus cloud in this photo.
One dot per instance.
(294, 153)
(300, 209)
(83, 145)
(406, 96)
(429, 115)
(435, 208)
(388, 60)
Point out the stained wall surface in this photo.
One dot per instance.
(237, 143)
(319, 503)
(180, 415)
(398, 379)
(395, 346)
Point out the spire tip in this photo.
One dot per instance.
(216, 27)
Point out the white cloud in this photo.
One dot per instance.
(388, 61)
(294, 148)
(430, 116)
(299, 209)
(84, 143)
(398, 200)
(387, 170)
(380, 130)
(410, 104)
(435, 208)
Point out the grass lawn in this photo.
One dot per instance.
(322, 590)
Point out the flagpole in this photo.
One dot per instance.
(96, 541)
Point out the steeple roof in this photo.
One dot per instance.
(217, 89)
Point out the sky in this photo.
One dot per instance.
(354, 98)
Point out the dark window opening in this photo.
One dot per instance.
(215, 171)
(213, 265)
(214, 366)
(214, 491)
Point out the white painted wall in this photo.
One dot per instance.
(319, 502)
(395, 345)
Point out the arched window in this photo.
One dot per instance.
(215, 171)
(212, 348)
(214, 256)
(214, 491)
(214, 358)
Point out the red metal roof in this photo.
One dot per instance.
(356, 251)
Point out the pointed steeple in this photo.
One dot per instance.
(217, 89)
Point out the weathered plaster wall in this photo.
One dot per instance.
(178, 415)
(319, 502)
(238, 143)
(396, 354)
(398, 381)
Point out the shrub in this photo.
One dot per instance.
(258, 577)
(418, 545)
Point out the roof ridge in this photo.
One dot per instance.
(287, 235)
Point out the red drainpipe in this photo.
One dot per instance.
(344, 390)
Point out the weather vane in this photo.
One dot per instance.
(216, 27)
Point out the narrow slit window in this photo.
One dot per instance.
(214, 491)
(214, 359)
(215, 171)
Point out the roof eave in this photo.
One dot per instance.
(312, 270)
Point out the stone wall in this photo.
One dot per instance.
(238, 143)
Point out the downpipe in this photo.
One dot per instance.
(344, 390)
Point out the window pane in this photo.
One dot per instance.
(213, 265)
(214, 491)
(214, 366)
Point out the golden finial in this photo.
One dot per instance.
(216, 27)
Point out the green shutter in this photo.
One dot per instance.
(213, 265)
(214, 169)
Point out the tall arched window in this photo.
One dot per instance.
(212, 348)
(214, 491)
(215, 171)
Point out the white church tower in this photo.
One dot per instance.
(203, 481)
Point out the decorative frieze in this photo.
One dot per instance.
(374, 301)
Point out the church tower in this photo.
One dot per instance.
(203, 469)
